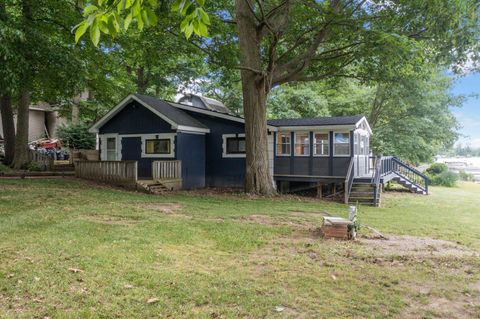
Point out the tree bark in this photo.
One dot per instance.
(8, 125)
(21, 139)
(255, 90)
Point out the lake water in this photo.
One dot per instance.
(468, 164)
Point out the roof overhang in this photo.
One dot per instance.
(130, 98)
(215, 114)
(317, 128)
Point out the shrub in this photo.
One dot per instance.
(464, 176)
(4, 168)
(34, 167)
(437, 168)
(447, 179)
(77, 136)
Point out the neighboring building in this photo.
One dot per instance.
(43, 121)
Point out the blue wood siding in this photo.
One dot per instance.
(219, 171)
(135, 119)
(191, 151)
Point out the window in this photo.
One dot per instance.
(236, 145)
(341, 144)
(362, 145)
(111, 148)
(355, 144)
(321, 144)
(157, 146)
(302, 144)
(284, 143)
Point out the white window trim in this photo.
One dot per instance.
(224, 146)
(349, 144)
(161, 136)
(276, 144)
(103, 145)
(295, 144)
(314, 144)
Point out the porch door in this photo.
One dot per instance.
(132, 151)
(363, 157)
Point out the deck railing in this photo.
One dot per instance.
(114, 172)
(162, 170)
(43, 160)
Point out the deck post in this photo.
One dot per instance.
(319, 191)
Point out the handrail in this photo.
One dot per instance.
(391, 164)
(349, 180)
(376, 179)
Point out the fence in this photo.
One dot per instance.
(113, 172)
(43, 160)
(162, 170)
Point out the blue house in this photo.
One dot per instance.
(207, 141)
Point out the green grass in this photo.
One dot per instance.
(222, 256)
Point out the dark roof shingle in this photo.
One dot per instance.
(173, 113)
(317, 121)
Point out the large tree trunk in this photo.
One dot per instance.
(21, 139)
(255, 89)
(8, 125)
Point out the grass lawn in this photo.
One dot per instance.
(71, 249)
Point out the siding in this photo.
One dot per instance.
(191, 151)
(219, 171)
(135, 119)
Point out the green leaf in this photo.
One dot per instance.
(137, 8)
(128, 4)
(201, 3)
(189, 31)
(203, 30)
(103, 26)
(140, 23)
(204, 16)
(128, 21)
(153, 3)
(151, 16)
(176, 5)
(95, 33)
(111, 25)
(89, 9)
(81, 29)
(145, 18)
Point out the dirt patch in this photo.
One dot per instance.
(415, 247)
(166, 208)
(309, 214)
(277, 221)
(111, 220)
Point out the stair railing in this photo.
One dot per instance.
(349, 180)
(411, 174)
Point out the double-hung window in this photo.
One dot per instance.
(341, 144)
(321, 144)
(302, 144)
(111, 148)
(284, 143)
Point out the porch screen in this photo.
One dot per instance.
(321, 144)
(302, 144)
(284, 143)
(341, 144)
(160, 146)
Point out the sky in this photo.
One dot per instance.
(469, 114)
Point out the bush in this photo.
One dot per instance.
(447, 179)
(77, 136)
(437, 168)
(34, 167)
(4, 168)
(464, 176)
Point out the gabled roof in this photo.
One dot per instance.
(175, 117)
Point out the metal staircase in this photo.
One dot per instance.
(367, 190)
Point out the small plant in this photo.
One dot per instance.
(4, 168)
(34, 167)
(437, 168)
(467, 177)
(77, 136)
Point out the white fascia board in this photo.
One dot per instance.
(190, 129)
(364, 119)
(121, 105)
(336, 128)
